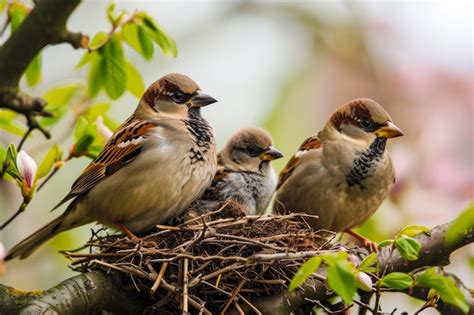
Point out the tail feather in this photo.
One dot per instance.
(26, 247)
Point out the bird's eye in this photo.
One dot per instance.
(179, 97)
(252, 150)
(365, 124)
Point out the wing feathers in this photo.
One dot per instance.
(122, 148)
(311, 143)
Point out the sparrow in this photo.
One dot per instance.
(244, 173)
(343, 173)
(151, 169)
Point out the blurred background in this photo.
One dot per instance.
(286, 66)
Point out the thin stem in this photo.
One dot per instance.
(23, 139)
(55, 170)
(377, 301)
(17, 213)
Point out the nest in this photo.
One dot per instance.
(209, 262)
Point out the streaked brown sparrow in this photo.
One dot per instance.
(342, 174)
(156, 163)
(244, 173)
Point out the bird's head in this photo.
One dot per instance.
(250, 150)
(173, 96)
(361, 120)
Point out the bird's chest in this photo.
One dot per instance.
(367, 165)
(201, 147)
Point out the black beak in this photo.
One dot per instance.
(201, 100)
(271, 154)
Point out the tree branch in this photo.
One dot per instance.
(87, 293)
(434, 252)
(94, 291)
(44, 25)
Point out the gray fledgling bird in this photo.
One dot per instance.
(158, 161)
(343, 173)
(244, 173)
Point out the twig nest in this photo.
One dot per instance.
(210, 262)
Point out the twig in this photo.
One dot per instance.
(232, 297)
(22, 141)
(156, 284)
(17, 213)
(185, 286)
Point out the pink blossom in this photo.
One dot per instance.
(103, 129)
(27, 167)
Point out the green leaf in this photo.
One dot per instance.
(446, 288)
(16, 14)
(342, 280)
(58, 99)
(397, 281)
(8, 123)
(408, 247)
(3, 4)
(98, 41)
(130, 35)
(81, 128)
(87, 138)
(60, 96)
(85, 59)
(110, 12)
(96, 110)
(12, 169)
(135, 83)
(33, 71)
(341, 275)
(385, 243)
(461, 225)
(137, 38)
(305, 271)
(145, 43)
(94, 81)
(367, 264)
(414, 230)
(159, 36)
(114, 77)
(52, 156)
(3, 155)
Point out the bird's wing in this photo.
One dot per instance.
(213, 191)
(311, 143)
(122, 148)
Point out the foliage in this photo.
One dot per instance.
(109, 69)
(444, 286)
(344, 276)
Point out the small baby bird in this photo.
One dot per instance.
(244, 173)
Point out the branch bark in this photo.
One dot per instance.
(87, 293)
(44, 25)
(93, 291)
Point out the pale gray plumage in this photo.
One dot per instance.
(160, 160)
(244, 173)
(343, 174)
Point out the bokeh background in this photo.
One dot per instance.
(286, 66)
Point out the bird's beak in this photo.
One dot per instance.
(271, 154)
(390, 130)
(200, 100)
